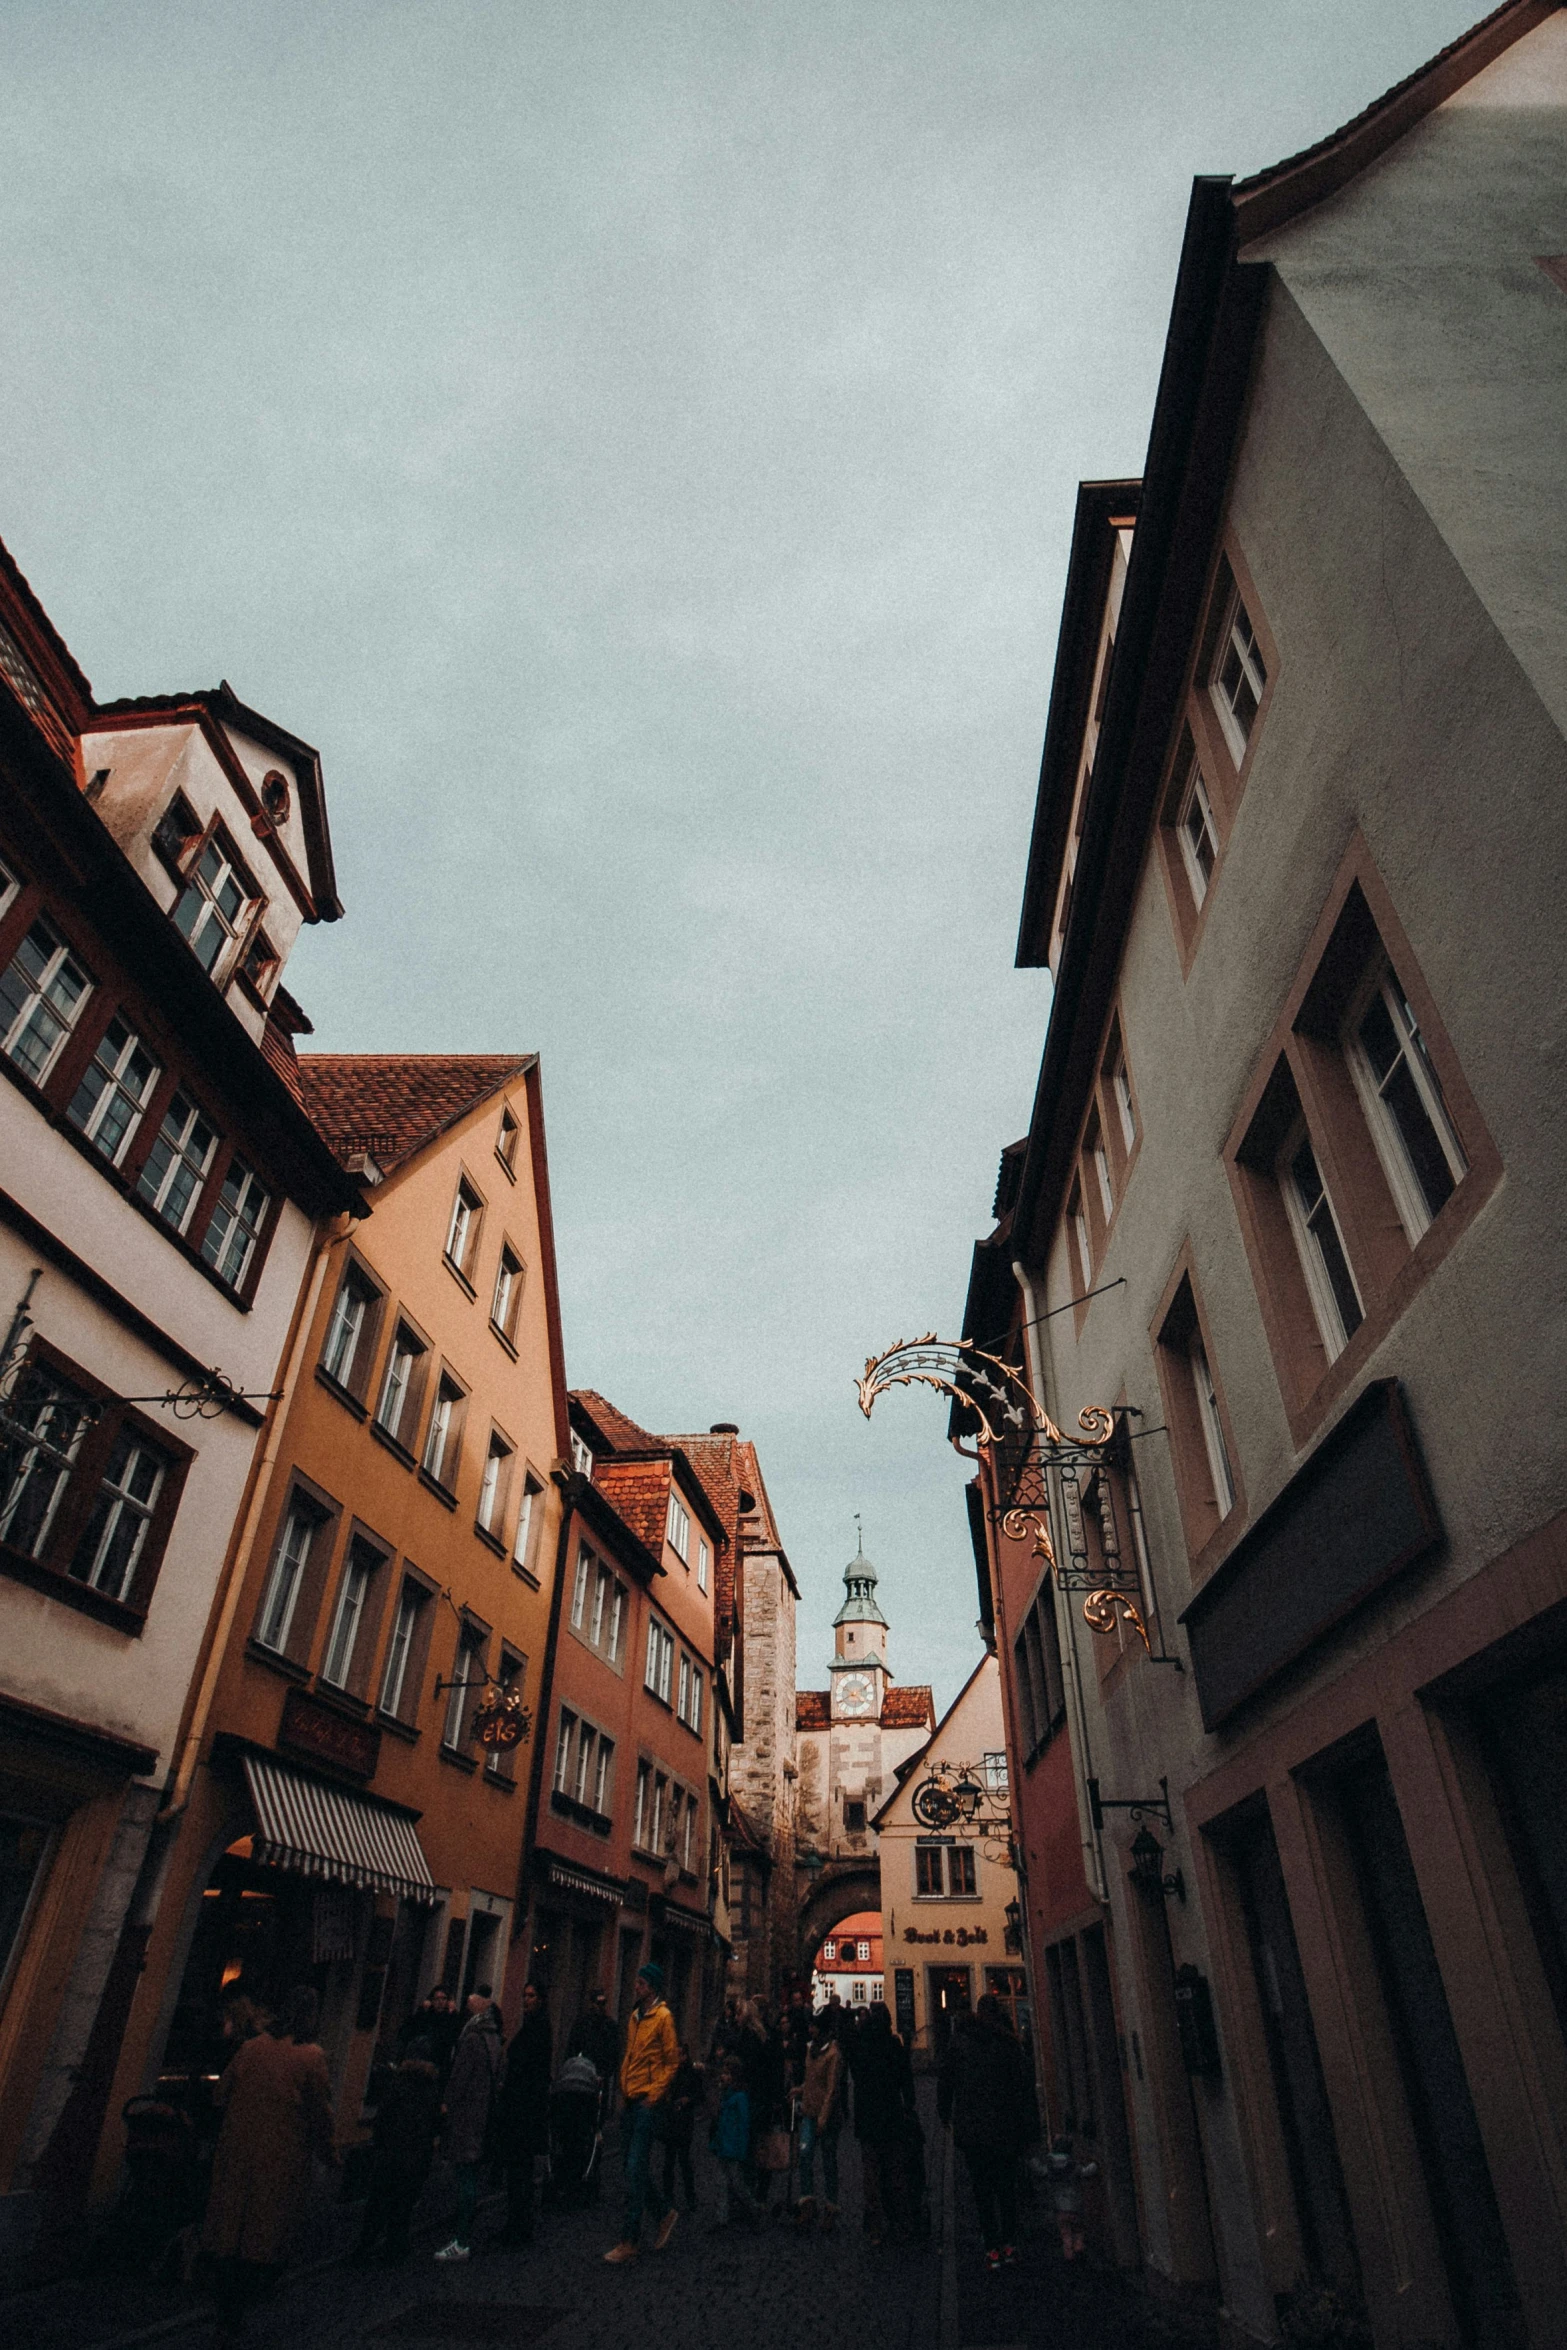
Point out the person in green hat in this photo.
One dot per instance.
(647, 2068)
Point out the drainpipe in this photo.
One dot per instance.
(327, 1236)
(1093, 1850)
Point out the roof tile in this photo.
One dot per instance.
(392, 1104)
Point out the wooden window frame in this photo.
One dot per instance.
(319, 1572)
(73, 1509)
(365, 1358)
(509, 1125)
(1181, 1314)
(1302, 1069)
(365, 1648)
(442, 1477)
(404, 1438)
(505, 1325)
(462, 1267)
(405, 1712)
(489, 1531)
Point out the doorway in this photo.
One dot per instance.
(946, 2000)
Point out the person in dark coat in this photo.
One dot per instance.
(597, 2036)
(884, 2114)
(984, 2092)
(406, 2122)
(520, 2129)
(435, 2021)
(277, 2115)
(475, 2076)
(681, 2107)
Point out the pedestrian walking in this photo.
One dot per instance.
(406, 2121)
(435, 2021)
(520, 2126)
(984, 2092)
(821, 2119)
(475, 2075)
(729, 2142)
(596, 2035)
(883, 2082)
(681, 2106)
(276, 2097)
(647, 2069)
(1065, 2174)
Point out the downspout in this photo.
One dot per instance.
(567, 1481)
(1066, 1631)
(326, 1239)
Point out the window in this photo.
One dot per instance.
(603, 1777)
(677, 1528)
(51, 1416)
(1037, 1681)
(563, 1742)
(857, 1989)
(209, 911)
(994, 1767)
(116, 1086)
(644, 1803)
(1334, 1297)
(688, 1834)
(261, 964)
(400, 1676)
(703, 1564)
(177, 831)
(853, 1814)
(494, 1482)
(960, 1867)
(402, 1388)
(862, 1951)
(659, 1668)
(684, 1697)
(582, 1778)
(829, 1952)
(120, 1525)
(530, 1517)
(508, 1293)
(1197, 831)
(42, 994)
(1077, 1224)
(302, 1525)
(616, 1633)
(1120, 1089)
(467, 1680)
(694, 1717)
(1238, 675)
(1099, 1160)
(177, 1164)
(348, 1621)
(580, 1589)
(929, 1880)
(1212, 1426)
(350, 1334)
(1401, 1093)
(462, 1233)
(660, 1812)
(506, 1140)
(443, 1438)
(87, 1490)
(581, 1458)
(235, 1229)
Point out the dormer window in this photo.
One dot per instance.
(260, 967)
(210, 910)
(274, 796)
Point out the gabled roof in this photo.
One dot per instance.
(393, 1104)
(615, 1431)
(906, 1769)
(638, 1490)
(813, 1709)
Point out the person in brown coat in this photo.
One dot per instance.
(277, 2113)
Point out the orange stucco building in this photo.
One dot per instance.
(341, 1824)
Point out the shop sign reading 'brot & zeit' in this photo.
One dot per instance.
(963, 1936)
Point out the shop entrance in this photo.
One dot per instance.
(1009, 1984)
(947, 1998)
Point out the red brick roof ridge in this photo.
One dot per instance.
(617, 1427)
(813, 1709)
(909, 1708)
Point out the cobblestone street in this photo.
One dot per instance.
(730, 2291)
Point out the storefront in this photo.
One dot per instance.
(573, 1923)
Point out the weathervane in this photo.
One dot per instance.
(1016, 1427)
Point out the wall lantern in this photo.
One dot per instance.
(1147, 1869)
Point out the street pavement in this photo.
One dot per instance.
(732, 2290)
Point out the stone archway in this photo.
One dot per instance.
(844, 1886)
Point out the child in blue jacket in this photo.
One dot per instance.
(730, 2141)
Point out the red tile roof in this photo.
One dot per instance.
(392, 1104)
(619, 1433)
(277, 1046)
(910, 1708)
(638, 1492)
(812, 1709)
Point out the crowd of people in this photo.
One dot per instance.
(774, 2093)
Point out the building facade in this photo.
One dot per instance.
(949, 1890)
(763, 1768)
(847, 1964)
(1295, 1162)
(164, 1203)
(343, 1826)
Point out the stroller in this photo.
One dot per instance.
(161, 2197)
(576, 2135)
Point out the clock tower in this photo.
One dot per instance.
(859, 1666)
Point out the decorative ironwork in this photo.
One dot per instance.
(500, 1719)
(967, 1799)
(1024, 1447)
(1137, 1807)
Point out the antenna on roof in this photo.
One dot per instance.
(859, 1538)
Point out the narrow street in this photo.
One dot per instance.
(706, 2292)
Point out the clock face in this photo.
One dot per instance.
(855, 1694)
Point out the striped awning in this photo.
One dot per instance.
(327, 1832)
(596, 1888)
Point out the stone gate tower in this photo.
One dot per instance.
(851, 1736)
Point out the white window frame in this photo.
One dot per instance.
(603, 1783)
(683, 1686)
(494, 1480)
(1414, 1210)
(1207, 1394)
(694, 1717)
(400, 1647)
(1238, 636)
(243, 1215)
(346, 1328)
(1121, 1090)
(644, 1790)
(290, 1565)
(522, 1541)
(617, 1622)
(1319, 1283)
(115, 1089)
(201, 894)
(586, 1562)
(1077, 1219)
(704, 1561)
(156, 1194)
(38, 999)
(563, 1743)
(395, 1388)
(677, 1529)
(1197, 797)
(438, 1436)
(462, 1231)
(1099, 1153)
(471, 1644)
(581, 1458)
(508, 1291)
(348, 1616)
(587, 1738)
(123, 1502)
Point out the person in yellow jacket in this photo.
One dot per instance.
(648, 2067)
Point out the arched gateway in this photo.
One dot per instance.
(842, 1888)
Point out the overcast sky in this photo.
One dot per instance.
(636, 443)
